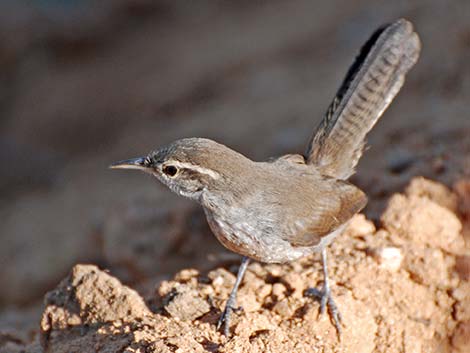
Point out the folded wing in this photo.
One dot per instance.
(328, 217)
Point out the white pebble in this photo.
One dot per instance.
(389, 258)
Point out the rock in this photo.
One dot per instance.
(286, 307)
(424, 222)
(222, 280)
(434, 191)
(295, 284)
(462, 266)
(461, 294)
(90, 296)
(248, 301)
(251, 323)
(360, 226)
(279, 291)
(187, 275)
(186, 304)
(389, 258)
(428, 265)
(406, 298)
(461, 338)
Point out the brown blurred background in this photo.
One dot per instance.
(84, 83)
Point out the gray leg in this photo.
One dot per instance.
(232, 299)
(325, 296)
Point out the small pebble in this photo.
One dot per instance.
(278, 290)
(389, 258)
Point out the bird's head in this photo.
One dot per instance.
(188, 166)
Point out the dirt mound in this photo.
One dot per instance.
(401, 288)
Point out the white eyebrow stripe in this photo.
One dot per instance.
(213, 174)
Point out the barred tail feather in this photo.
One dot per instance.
(370, 85)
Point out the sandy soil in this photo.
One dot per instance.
(401, 288)
(82, 87)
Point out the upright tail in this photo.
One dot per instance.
(369, 87)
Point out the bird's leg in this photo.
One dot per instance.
(232, 299)
(325, 296)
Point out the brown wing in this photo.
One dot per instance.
(332, 214)
(291, 158)
(370, 85)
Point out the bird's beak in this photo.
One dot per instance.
(134, 163)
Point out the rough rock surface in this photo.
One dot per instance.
(401, 288)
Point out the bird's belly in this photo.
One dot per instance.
(241, 238)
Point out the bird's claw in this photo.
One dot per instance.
(224, 320)
(326, 300)
(225, 317)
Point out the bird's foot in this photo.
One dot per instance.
(230, 305)
(326, 300)
(224, 319)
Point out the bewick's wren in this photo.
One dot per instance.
(292, 206)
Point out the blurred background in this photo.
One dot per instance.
(84, 83)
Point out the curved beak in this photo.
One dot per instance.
(134, 163)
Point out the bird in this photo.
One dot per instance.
(292, 206)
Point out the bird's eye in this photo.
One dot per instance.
(170, 170)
